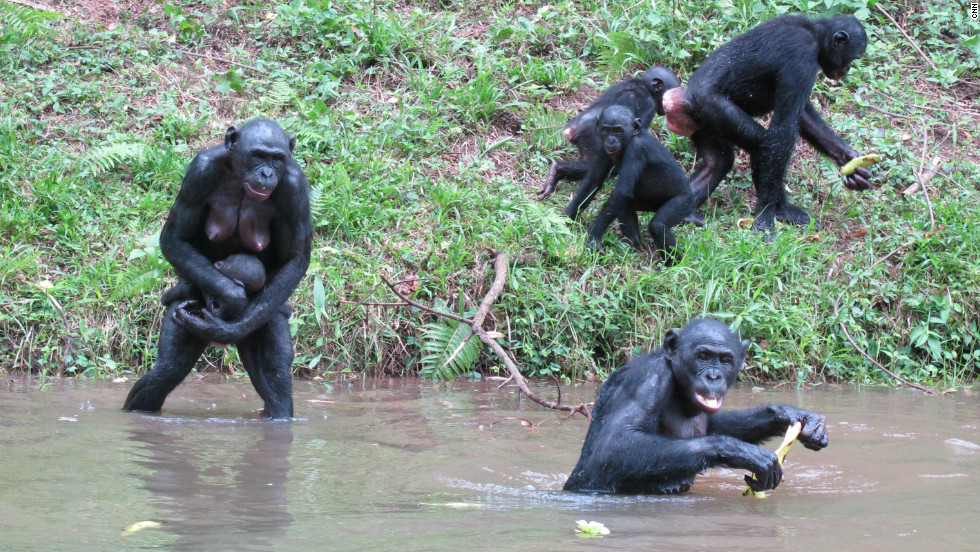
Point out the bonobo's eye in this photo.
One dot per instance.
(704, 356)
(727, 359)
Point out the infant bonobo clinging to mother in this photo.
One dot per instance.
(658, 422)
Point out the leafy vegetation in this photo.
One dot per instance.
(424, 128)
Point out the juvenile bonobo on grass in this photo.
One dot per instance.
(769, 69)
(643, 94)
(657, 421)
(247, 196)
(649, 179)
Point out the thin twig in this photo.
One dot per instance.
(907, 37)
(221, 59)
(867, 356)
(420, 306)
(920, 174)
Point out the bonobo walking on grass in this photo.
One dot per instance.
(649, 179)
(247, 196)
(769, 69)
(643, 95)
(658, 422)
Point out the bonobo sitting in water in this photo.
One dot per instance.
(657, 421)
(246, 196)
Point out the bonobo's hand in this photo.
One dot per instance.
(231, 299)
(738, 454)
(203, 323)
(814, 432)
(860, 179)
(764, 465)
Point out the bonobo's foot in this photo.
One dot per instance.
(787, 212)
(765, 223)
(694, 218)
(550, 183)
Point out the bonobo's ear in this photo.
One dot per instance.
(231, 136)
(745, 347)
(840, 38)
(292, 143)
(656, 84)
(671, 341)
(636, 126)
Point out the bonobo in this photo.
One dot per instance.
(657, 421)
(649, 180)
(769, 69)
(641, 94)
(246, 271)
(247, 196)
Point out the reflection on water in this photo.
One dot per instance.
(242, 490)
(411, 465)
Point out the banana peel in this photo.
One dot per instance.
(791, 434)
(863, 161)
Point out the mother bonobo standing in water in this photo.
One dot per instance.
(245, 196)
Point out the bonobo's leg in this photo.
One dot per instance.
(717, 157)
(669, 214)
(768, 170)
(267, 356)
(177, 351)
(629, 227)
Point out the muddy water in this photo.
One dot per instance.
(408, 465)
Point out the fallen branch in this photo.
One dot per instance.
(222, 60)
(476, 328)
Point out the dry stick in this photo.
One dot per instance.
(909, 38)
(922, 181)
(924, 176)
(500, 277)
(873, 361)
(224, 60)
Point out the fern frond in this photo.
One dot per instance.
(439, 343)
(18, 22)
(546, 125)
(137, 279)
(280, 94)
(328, 198)
(102, 159)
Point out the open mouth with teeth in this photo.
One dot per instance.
(711, 404)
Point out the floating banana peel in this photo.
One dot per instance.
(791, 434)
(863, 161)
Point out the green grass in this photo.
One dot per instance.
(424, 128)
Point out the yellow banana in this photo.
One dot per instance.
(791, 434)
(862, 161)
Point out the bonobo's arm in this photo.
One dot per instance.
(815, 130)
(184, 227)
(592, 182)
(626, 451)
(758, 424)
(292, 239)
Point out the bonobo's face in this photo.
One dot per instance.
(259, 152)
(617, 126)
(844, 42)
(705, 358)
(659, 80)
